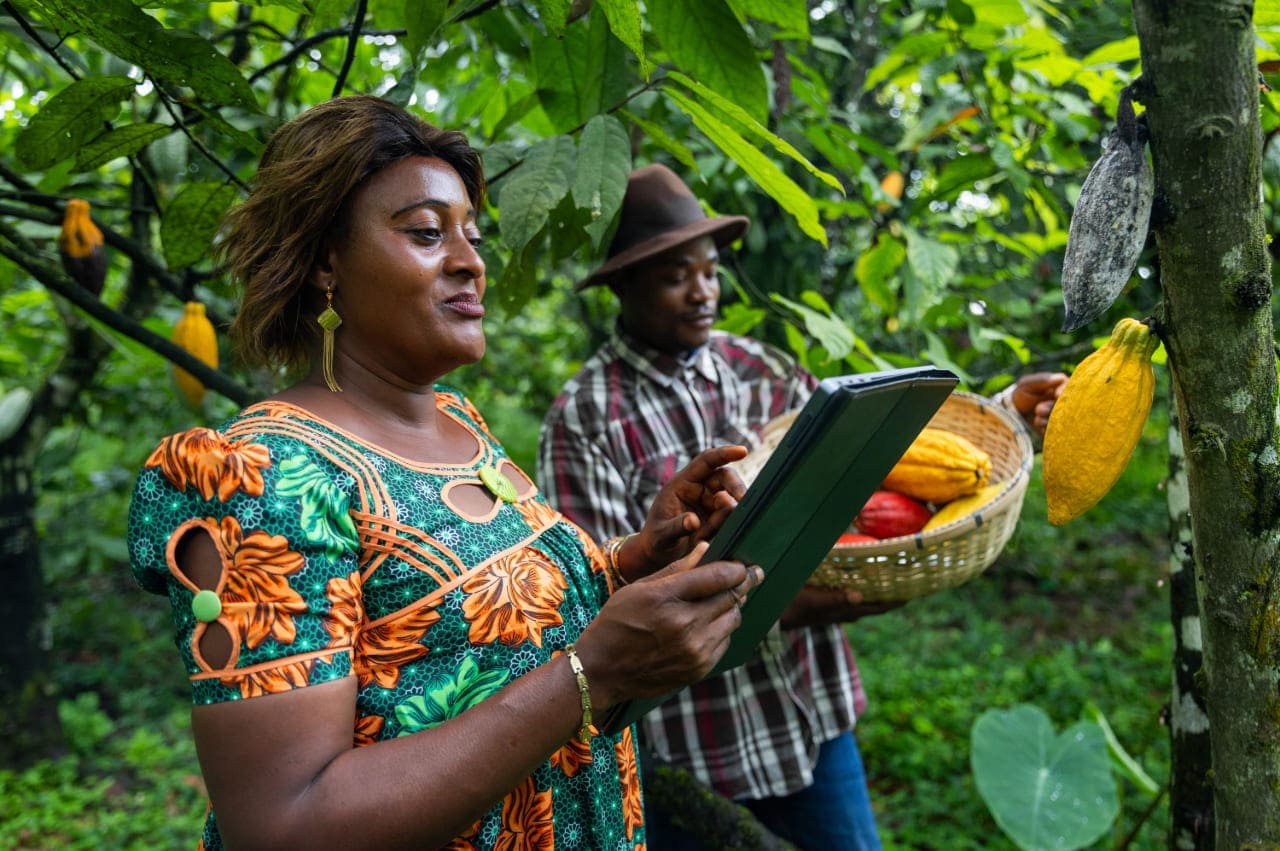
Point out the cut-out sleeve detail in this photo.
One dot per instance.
(289, 589)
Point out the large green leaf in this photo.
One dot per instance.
(609, 81)
(705, 39)
(70, 119)
(935, 263)
(560, 69)
(422, 18)
(790, 15)
(1045, 791)
(535, 188)
(660, 137)
(625, 23)
(762, 170)
(119, 142)
(191, 220)
(834, 336)
(600, 178)
(875, 270)
(174, 56)
(554, 14)
(748, 126)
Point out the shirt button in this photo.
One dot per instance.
(206, 606)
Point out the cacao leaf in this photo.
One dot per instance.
(663, 140)
(70, 119)
(422, 19)
(625, 24)
(534, 189)
(175, 56)
(118, 142)
(762, 170)
(876, 268)
(600, 179)
(191, 221)
(705, 39)
(792, 16)
(14, 407)
(553, 13)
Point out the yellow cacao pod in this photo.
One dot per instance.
(194, 332)
(1096, 422)
(963, 507)
(939, 466)
(81, 247)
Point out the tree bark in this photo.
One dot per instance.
(1200, 88)
(1190, 788)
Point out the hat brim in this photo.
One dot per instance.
(722, 229)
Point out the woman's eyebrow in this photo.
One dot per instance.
(434, 203)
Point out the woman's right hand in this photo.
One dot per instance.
(666, 630)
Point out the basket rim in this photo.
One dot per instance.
(1014, 490)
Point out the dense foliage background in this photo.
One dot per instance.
(791, 112)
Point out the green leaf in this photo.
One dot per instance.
(422, 19)
(1044, 791)
(1113, 52)
(933, 262)
(832, 334)
(960, 12)
(70, 119)
(120, 142)
(534, 189)
(740, 319)
(554, 13)
(875, 269)
(705, 39)
(625, 24)
(191, 220)
(762, 170)
(174, 56)
(747, 125)
(560, 69)
(789, 15)
(600, 178)
(662, 139)
(1120, 758)
(609, 81)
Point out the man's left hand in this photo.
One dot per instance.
(815, 606)
(1034, 395)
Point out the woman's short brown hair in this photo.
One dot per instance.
(299, 205)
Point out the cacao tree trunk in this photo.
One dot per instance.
(1200, 90)
(29, 722)
(1190, 789)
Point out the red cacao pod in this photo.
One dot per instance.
(889, 514)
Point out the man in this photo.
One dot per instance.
(777, 733)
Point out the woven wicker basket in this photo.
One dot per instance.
(896, 569)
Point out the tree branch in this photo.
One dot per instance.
(25, 255)
(196, 143)
(309, 42)
(35, 36)
(356, 23)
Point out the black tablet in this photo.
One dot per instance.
(843, 443)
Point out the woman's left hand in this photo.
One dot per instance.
(688, 509)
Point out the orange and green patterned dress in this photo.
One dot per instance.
(343, 559)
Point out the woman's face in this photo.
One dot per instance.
(407, 279)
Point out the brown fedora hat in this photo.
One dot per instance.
(660, 212)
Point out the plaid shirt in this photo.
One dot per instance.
(618, 431)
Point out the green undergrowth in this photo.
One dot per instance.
(1065, 617)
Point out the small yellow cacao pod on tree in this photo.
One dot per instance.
(194, 332)
(81, 247)
(1096, 422)
(939, 466)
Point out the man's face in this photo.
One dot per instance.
(669, 302)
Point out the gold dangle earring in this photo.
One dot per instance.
(329, 320)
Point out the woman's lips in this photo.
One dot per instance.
(467, 305)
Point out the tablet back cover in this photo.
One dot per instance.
(842, 444)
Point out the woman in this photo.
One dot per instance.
(392, 640)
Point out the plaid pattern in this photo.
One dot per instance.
(619, 430)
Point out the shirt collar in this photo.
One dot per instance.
(662, 367)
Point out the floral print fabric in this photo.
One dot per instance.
(340, 559)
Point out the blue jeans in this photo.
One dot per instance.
(832, 814)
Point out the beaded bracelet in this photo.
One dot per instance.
(585, 731)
